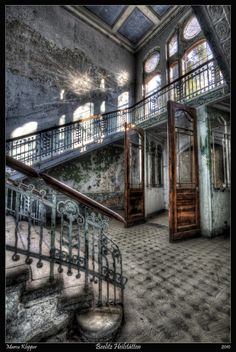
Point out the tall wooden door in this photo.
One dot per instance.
(134, 175)
(184, 218)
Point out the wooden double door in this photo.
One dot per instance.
(184, 219)
(134, 175)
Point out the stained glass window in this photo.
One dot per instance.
(174, 71)
(173, 45)
(199, 54)
(153, 84)
(152, 62)
(192, 28)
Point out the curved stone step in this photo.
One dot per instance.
(99, 324)
(17, 274)
(36, 320)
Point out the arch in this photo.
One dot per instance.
(201, 53)
(196, 28)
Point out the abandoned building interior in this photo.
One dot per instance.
(118, 168)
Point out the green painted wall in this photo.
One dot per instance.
(99, 174)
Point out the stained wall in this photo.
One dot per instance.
(58, 69)
(99, 174)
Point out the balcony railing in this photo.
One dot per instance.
(54, 223)
(44, 145)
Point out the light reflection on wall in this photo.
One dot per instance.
(62, 94)
(102, 83)
(82, 111)
(27, 128)
(62, 120)
(123, 100)
(123, 103)
(122, 78)
(81, 83)
(103, 107)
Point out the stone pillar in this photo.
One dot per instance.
(204, 172)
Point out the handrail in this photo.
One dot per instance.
(63, 188)
(114, 111)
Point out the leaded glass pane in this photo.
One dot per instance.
(153, 84)
(192, 28)
(173, 45)
(152, 62)
(197, 56)
(174, 72)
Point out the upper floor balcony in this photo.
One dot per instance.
(51, 146)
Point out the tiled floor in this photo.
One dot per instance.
(176, 292)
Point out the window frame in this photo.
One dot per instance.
(186, 24)
(154, 165)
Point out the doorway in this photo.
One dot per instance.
(178, 189)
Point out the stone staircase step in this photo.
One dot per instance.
(99, 324)
(17, 274)
(45, 289)
(76, 298)
(39, 308)
(38, 321)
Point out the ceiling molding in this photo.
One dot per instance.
(98, 24)
(122, 18)
(112, 32)
(172, 13)
(149, 14)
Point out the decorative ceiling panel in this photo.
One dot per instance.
(127, 25)
(107, 13)
(160, 9)
(136, 26)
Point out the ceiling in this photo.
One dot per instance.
(129, 25)
(222, 104)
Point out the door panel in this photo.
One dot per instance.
(134, 175)
(184, 217)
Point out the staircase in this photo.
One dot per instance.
(64, 278)
(47, 148)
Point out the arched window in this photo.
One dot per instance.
(220, 152)
(152, 77)
(152, 61)
(174, 71)
(152, 84)
(152, 80)
(191, 29)
(196, 55)
(173, 45)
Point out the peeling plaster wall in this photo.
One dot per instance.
(221, 210)
(214, 204)
(204, 172)
(99, 174)
(221, 202)
(55, 64)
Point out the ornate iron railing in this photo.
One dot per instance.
(43, 145)
(61, 226)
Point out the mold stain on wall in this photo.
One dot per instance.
(99, 174)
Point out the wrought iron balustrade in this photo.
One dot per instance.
(43, 145)
(61, 226)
